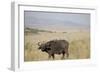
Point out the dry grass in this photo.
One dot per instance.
(79, 45)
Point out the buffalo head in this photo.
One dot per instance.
(44, 47)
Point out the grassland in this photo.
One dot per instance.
(79, 43)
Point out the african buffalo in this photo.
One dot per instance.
(55, 47)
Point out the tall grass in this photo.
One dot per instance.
(79, 49)
(79, 45)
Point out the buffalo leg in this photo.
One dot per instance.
(63, 53)
(49, 56)
(53, 56)
(67, 54)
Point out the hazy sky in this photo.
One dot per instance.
(44, 19)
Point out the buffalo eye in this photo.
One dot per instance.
(48, 48)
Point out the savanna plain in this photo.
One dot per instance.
(79, 43)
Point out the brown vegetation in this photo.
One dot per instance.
(79, 44)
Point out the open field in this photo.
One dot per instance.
(79, 43)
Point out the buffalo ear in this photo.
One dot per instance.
(39, 48)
